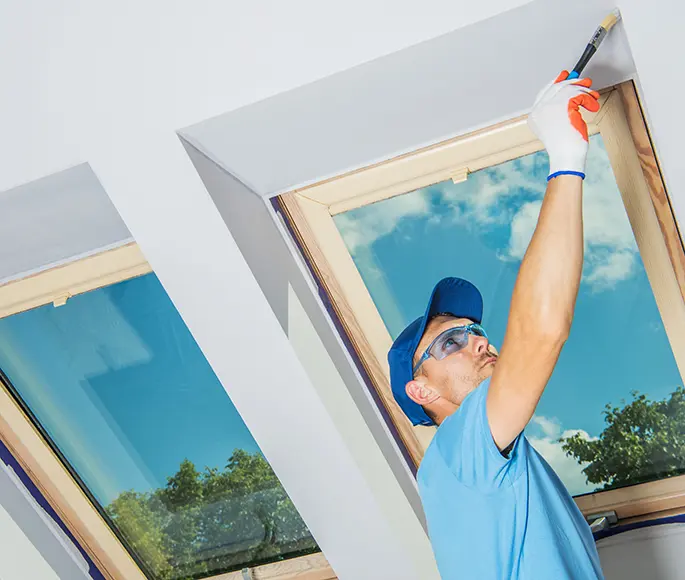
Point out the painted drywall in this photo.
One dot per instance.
(653, 553)
(32, 545)
(81, 70)
(16, 549)
(54, 219)
(224, 308)
(447, 86)
(294, 300)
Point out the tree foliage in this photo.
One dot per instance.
(643, 441)
(206, 523)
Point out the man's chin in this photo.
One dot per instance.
(487, 370)
(489, 365)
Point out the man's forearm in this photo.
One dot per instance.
(541, 310)
(547, 286)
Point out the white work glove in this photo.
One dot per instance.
(557, 122)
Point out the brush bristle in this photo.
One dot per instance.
(611, 19)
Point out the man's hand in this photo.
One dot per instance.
(545, 293)
(557, 122)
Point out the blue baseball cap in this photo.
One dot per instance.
(454, 296)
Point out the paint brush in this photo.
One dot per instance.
(595, 41)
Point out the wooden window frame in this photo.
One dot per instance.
(620, 121)
(43, 464)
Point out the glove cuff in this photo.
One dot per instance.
(558, 173)
(567, 166)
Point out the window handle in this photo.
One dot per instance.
(602, 521)
(600, 524)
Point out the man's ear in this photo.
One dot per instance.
(419, 392)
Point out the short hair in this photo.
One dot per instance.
(449, 314)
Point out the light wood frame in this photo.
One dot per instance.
(620, 121)
(44, 466)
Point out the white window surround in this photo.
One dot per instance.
(445, 87)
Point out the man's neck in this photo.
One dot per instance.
(441, 409)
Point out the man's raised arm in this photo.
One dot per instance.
(546, 288)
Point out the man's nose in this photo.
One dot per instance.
(480, 344)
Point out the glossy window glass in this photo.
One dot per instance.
(613, 413)
(125, 394)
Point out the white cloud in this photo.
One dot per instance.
(506, 194)
(546, 442)
(607, 269)
(549, 427)
(379, 219)
(610, 248)
(522, 227)
(487, 199)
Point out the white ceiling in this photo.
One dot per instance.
(446, 86)
(79, 71)
(56, 218)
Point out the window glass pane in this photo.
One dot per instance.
(120, 386)
(479, 230)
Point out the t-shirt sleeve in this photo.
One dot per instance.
(466, 445)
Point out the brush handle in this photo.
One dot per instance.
(589, 52)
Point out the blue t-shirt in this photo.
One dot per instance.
(497, 518)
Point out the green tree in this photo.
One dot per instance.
(252, 519)
(141, 521)
(184, 489)
(643, 441)
(205, 523)
(183, 499)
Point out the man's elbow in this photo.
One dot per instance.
(555, 332)
(546, 325)
(557, 335)
(548, 334)
(554, 323)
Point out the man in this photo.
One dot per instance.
(495, 509)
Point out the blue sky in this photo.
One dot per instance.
(479, 230)
(118, 381)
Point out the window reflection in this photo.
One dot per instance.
(122, 389)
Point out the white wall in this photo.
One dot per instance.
(81, 70)
(31, 544)
(54, 219)
(294, 300)
(653, 553)
(446, 86)
(187, 243)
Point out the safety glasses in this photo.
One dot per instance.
(450, 341)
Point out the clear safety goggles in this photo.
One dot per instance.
(450, 341)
